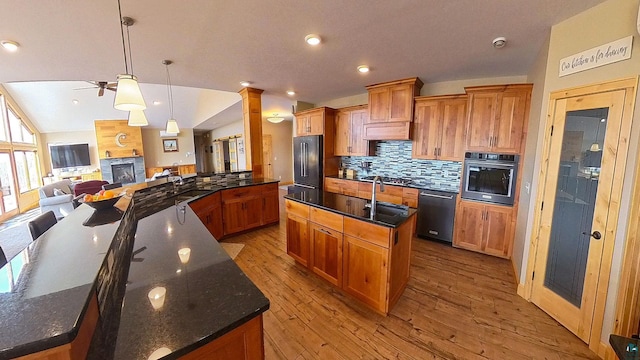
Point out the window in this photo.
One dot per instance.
(27, 170)
(3, 127)
(19, 132)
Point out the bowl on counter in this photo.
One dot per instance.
(102, 204)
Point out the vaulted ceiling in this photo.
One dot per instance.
(215, 44)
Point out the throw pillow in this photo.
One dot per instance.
(58, 192)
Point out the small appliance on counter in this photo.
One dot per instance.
(436, 212)
(307, 163)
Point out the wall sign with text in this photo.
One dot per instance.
(598, 56)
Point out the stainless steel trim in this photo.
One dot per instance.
(436, 196)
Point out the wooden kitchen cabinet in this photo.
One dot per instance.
(186, 169)
(341, 186)
(410, 197)
(438, 127)
(248, 207)
(391, 109)
(497, 118)
(484, 228)
(365, 271)
(391, 194)
(209, 211)
(325, 257)
(313, 121)
(349, 131)
(297, 231)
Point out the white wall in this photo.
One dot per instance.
(235, 128)
(609, 21)
(154, 154)
(282, 144)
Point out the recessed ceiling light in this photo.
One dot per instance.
(363, 69)
(157, 102)
(499, 42)
(75, 101)
(312, 39)
(10, 45)
(245, 83)
(291, 92)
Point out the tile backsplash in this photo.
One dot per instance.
(393, 159)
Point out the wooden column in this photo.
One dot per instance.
(252, 117)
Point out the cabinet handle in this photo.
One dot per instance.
(495, 141)
(435, 151)
(324, 231)
(439, 151)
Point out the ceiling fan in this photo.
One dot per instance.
(101, 86)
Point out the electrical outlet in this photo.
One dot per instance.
(527, 186)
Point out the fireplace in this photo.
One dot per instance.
(123, 173)
(127, 170)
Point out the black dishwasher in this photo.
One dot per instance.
(436, 211)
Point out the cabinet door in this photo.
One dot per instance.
(333, 185)
(401, 102)
(234, 216)
(378, 105)
(298, 239)
(253, 212)
(215, 222)
(325, 258)
(482, 113)
(350, 188)
(270, 208)
(469, 225)
(509, 126)
(343, 134)
(454, 119)
(365, 271)
(302, 125)
(498, 233)
(359, 146)
(316, 123)
(426, 130)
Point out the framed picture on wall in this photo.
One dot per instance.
(170, 145)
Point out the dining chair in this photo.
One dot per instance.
(3, 258)
(41, 224)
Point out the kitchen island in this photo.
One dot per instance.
(336, 238)
(145, 279)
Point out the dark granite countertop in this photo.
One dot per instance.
(206, 296)
(45, 289)
(624, 347)
(387, 214)
(43, 292)
(414, 185)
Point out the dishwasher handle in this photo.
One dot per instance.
(437, 196)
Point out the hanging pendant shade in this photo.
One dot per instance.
(172, 127)
(137, 118)
(128, 94)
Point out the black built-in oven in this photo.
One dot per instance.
(490, 177)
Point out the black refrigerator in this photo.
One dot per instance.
(307, 163)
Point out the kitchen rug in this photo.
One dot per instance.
(232, 249)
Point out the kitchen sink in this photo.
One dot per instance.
(188, 195)
(388, 209)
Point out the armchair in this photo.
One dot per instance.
(60, 204)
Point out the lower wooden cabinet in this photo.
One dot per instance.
(325, 258)
(368, 261)
(341, 186)
(249, 207)
(362, 189)
(209, 211)
(484, 228)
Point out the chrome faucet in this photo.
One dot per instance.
(177, 181)
(373, 196)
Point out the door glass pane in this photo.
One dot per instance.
(7, 190)
(580, 159)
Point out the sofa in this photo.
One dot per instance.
(57, 197)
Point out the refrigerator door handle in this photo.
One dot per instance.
(301, 159)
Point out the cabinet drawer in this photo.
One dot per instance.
(296, 208)
(206, 202)
(267, 187)
(410, 197)
(392, 194)
(374, 234)
(326, 218)
(234, 194)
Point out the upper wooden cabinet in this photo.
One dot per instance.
(313, 121)
(391, 109)
(438, 128)
(349, 126)
(497, 117)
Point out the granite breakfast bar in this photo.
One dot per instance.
(153, 282)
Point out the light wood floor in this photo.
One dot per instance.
(457, 305)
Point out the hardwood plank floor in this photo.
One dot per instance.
(457, 305)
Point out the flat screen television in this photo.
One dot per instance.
(68, 156)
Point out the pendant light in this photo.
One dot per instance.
(595, 147)
(137, 118)
(128, 95)
(172, 124)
